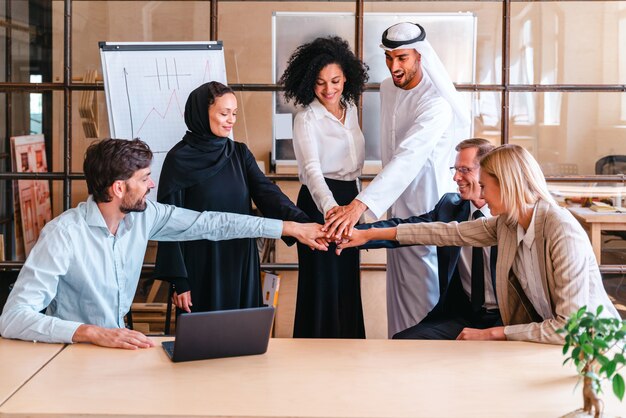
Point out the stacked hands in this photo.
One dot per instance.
(338, 229)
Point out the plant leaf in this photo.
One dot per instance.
(618, 386)
(599, 342)
(609, 369)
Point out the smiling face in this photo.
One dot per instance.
(136, 189)
(329, 86)
(405, 68)
(491, 193)
(466, 174)
(223, 114)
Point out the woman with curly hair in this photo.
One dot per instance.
(326, 79)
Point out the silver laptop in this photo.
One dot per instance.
(205, 335)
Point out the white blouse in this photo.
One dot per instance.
(325, 147)
(465, 265)
(526, 268)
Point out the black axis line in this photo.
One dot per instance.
(158, 76)
(176, 73)
(130, 110)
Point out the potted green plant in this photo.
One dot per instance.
(597, 347)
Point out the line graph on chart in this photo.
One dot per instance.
(166, 78)
(147, 91)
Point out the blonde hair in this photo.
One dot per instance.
(519, 176)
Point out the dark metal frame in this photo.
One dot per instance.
(67, 86)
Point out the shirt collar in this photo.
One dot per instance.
(320, 111)
(94, 217)
(485, 210)
(528, 236)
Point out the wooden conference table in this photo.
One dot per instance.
(310, 378)
(596, 222)
(19, 361)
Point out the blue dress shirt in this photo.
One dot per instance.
(82, 274)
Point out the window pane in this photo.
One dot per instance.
(486, 66)
(487, 115)
(560, 42)
(568, 132)
(128, 21)
(27, 32)
(249, 52)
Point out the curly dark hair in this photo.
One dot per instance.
(309, 59)
(110, 160)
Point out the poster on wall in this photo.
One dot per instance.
(35, 209)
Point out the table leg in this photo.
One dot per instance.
(596, 241)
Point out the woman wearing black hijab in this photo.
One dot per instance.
(208, 171)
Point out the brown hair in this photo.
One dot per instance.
(110, 160)
(481, 144)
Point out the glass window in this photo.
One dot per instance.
(249, 52)
(560, 42)
(585, 130)
(129, 21)
(487, 59)
(26, 32)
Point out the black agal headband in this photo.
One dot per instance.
(395, 44)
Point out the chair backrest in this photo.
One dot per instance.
(611, 164)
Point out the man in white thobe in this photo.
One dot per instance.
(422, 120)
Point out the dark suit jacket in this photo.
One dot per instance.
(453, 299)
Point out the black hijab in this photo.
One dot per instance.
(201, 153)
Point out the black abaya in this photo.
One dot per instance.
(329, 288)
(206, 172)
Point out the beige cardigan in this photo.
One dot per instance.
(569, 272)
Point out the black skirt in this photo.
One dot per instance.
(329, 287)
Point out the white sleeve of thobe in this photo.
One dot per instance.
(408, 158)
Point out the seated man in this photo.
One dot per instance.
(546, 269)
(466, 274)
(85, 266)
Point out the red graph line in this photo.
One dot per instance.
(164, 114)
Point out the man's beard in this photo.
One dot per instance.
(408, 78)
(138, 206)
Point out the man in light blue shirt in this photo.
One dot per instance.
(85, 266)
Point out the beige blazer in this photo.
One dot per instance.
(569, 272)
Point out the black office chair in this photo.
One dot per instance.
(611, 164)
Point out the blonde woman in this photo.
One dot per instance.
(546, 268)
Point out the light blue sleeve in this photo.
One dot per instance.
(172, 223)
(34, 290)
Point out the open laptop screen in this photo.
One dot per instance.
(205, 335)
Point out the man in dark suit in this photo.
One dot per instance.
(466, 274)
